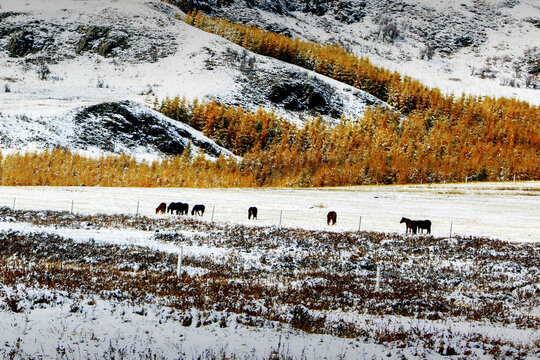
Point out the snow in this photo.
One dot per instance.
(83, 335)
(507, 211)
(507, 34)
(74, 322)
(90, 78)
(182, 74)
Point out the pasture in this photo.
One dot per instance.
(507, 211)
(100, 282)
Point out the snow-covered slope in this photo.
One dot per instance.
(56, 56)
(460, 46)
(113, 127)
(132, 50)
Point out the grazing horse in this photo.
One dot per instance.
(161, 208)
(331, 217)
(252, 211)
(197, 209)
(424, 224)
(414, 225)
(180, 208)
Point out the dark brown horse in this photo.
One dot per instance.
(197, 209)
(161, 208)
(414, 225)
(331, 217)
(252, 211)
(408, 225)
(423, 224)
(180, 208)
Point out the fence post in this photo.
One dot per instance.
(451, 223)
(14, 203)
(378, 281)
(213, 208)
(359, 224)
(280, 217)
(72, 206)
(179, 264)
(137, 213)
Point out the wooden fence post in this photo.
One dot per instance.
(378, 280)
(179, 264)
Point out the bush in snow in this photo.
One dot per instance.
(43, 71)
(388, 29)
(427, 52)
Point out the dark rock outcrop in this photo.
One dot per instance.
(22, 44)
(112, 126)
(101, 39)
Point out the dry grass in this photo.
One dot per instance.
(294, 277)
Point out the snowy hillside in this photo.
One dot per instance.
(113, 127)
(69, 53)
(468, 46)
(55, 57)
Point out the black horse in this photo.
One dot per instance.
(414, 225)
(180, 208)
(198, 209)
(424, 224)
(331, 217)
(252, 211)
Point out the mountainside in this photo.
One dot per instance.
(471, 46)
(54, 57)
(135, 49)
(105, 59)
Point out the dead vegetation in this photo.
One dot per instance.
(294, 277)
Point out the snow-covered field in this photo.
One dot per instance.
(69, 282)
(507, 211)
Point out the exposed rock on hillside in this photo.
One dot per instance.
(41, 40)
(115, 127)
(294, 92)
(108, 126)
(102, 40)
(21, 44)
